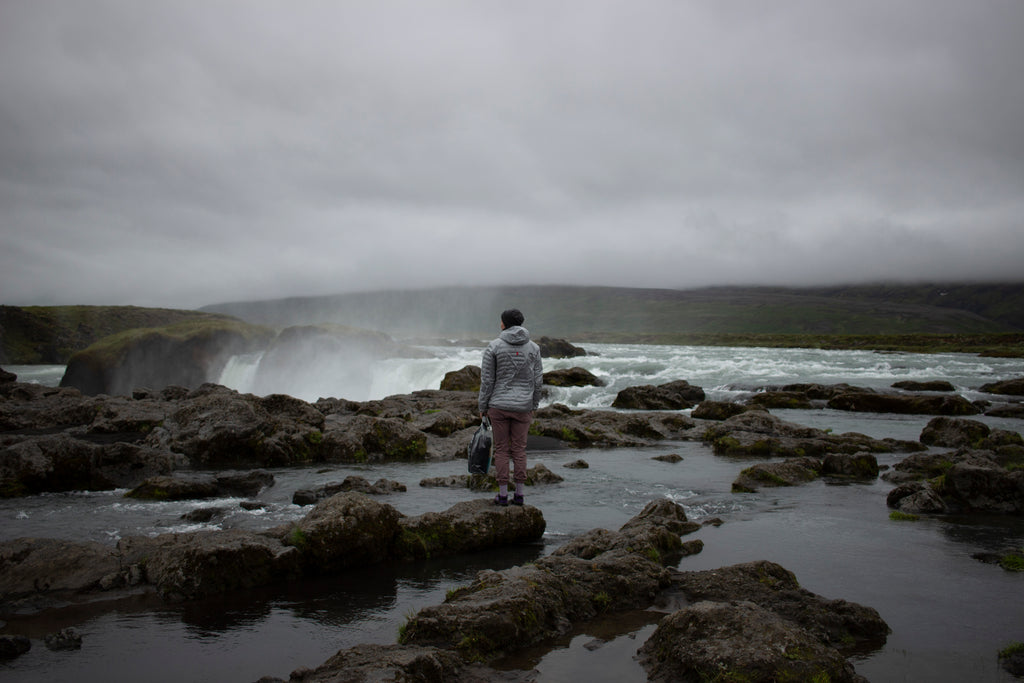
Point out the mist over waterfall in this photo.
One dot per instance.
(357, 377)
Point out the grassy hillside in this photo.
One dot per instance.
(50, 334)
(986, 318)
(590, 312)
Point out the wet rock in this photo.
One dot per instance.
(345, 530)
(469, 526)
(678, 395)
(1012, 660)
(244, 484)
(7, 376)
(466, 379)
(572, 377)
(366, 663)
(176, 488)
(936, 385)
(871, 402)
(739, 641)
(537, 475)
(205, 563)
(780, 399)
(844, 625)
(916, 498)
(42, 570)
(1013, 410)
(760, 434)
(202, 515)
(13, 646)
(788, 473)
(365, 438)
(668, 457)
(719, 410)
(948, 432)
(558, 348)
(965, 481)
(1008, 387)
(66, 639)
(855, 465)
(577, 465)
(186, 354)
(60, 462)
(351, 483)
(517, 607)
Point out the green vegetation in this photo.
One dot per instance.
(298, 538)
(51, 334)
(898, 516)
(1011, 649)
(1013, 562)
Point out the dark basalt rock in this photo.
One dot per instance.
(936, 385)
(186, 354)
(572, 377)
(346, 531)
(558, 348)
(926, 404)
(13, 646)
(787, 473)
(961, 481)
(678, 395)
(351, 483)
(719, 410)
(1008, 387)
(760, 434)
(466, 379)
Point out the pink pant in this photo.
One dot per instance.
(509, 430)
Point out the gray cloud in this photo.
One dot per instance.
(183, 153)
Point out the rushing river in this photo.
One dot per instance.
(949, 612)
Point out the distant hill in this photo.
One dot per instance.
(834, 317)
(50, 334)
(604, 312)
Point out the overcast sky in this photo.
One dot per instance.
(181, 153)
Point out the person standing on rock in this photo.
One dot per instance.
(511, 375)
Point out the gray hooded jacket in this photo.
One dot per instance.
(511, 373)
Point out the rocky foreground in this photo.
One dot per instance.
(748, 622)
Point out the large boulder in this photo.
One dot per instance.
(190, 566)
(906, 404)
(739, 641)
(678, 395)
(59, 462)
(962, 481)
(572, 377)
(517, 607)
(466, 379)
(934, 385)
(345, 530)
(352, 482)
(787, 473)
(760, 434)
(36, 571)
(844, 625)
(1007, 387)
(949, 432)
(719, 410)
(186, 354)
(366, 438)
(558, 348)
(468, 526)
(217, 426)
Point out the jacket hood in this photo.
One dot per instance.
(516, 335)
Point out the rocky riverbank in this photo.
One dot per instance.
(202, 442)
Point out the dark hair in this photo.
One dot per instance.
(512, 317)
